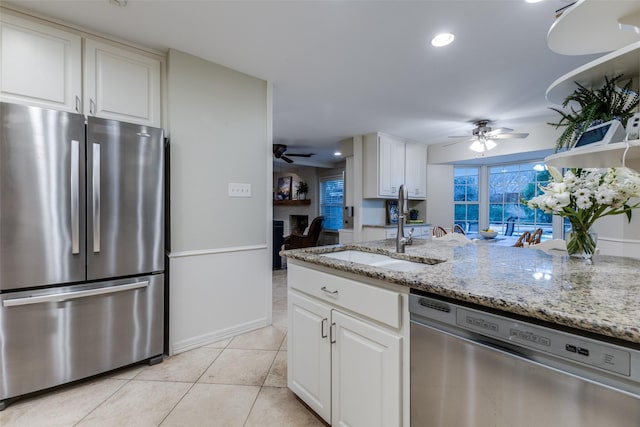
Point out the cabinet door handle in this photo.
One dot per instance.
(91, 106)
(332, 338)
(323, 328)
(77, 104)
(324, 289)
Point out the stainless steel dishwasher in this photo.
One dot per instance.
(471, 367)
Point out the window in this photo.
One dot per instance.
(508, 184)
(331, 201)
(465, 198)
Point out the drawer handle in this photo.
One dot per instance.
(324, 289)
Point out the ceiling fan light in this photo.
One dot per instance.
(477, 146)
(489, 144)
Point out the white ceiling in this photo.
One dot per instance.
(342, 68)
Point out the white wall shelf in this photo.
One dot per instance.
(602, 156)
(625, 61)
(569, 35)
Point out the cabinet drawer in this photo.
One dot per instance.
(368, 300)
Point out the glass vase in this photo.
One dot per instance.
(581, 242)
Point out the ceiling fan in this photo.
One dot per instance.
(280, 149)
(482, 136)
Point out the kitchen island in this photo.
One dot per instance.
(603, 298)
(349, 328)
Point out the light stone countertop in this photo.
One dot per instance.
(603, 298)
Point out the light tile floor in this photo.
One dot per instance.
(241, 381)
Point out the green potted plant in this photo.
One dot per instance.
(302, 190)
(596, 106)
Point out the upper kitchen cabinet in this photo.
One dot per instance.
(120, 84)
(595, 26)
(39, 65)
(416, 170)
(390, 162)
(43, 65)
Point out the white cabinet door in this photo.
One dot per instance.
(390, 166)
(309, 353)
(366, 374)
(39, 65)
(416, 170)
(121, 85)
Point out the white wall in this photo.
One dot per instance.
(220, 264)
(440, 195)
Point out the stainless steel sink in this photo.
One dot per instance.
(377, 260)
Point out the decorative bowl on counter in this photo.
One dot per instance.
(488, 234)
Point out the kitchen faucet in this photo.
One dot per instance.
(403, 211)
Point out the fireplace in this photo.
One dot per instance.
(298, 223)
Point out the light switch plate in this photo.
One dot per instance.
(239, 190)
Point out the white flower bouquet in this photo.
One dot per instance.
(583, 196)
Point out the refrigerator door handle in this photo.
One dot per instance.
(66, 296)
(96, 197)
(75, 197)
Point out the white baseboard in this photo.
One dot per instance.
(210, 338)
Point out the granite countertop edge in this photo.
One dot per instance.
(602, 298)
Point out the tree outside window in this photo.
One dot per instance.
(508, 185)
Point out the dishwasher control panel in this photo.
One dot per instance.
(584, 350)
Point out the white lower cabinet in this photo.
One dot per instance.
(347, 368)
(365, 374)
(309, 353)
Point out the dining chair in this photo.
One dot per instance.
(438, 231)
(511, 221)
(458, 229)
(535, 237)
(524, 238)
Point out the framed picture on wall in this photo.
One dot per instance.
(283, 192)
(392, 211)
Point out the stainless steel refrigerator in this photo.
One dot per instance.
(81, 247)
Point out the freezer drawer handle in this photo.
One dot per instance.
(96, 197)
(75, 197)
(73, 295)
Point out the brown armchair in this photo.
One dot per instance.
(296, 241)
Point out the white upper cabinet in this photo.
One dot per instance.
(391, 165)
(39, 65)
(121, 85)
(390, 162)
(416, 170)
(43, 65)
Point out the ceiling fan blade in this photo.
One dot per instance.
(459, 136)
(300, 155)
(498, 131)
(286, 159)
(509, 135)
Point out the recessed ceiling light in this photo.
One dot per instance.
(442, 39)
(337, 153)
(533, 1)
